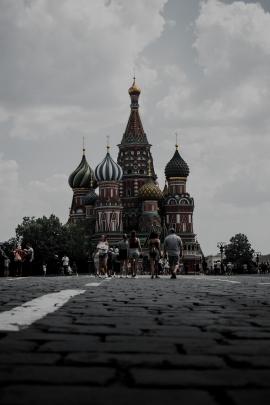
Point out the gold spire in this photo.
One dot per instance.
(134, 89)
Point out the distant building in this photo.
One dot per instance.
(213, 260)
(129, 196)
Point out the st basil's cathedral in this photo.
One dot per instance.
(129, 197)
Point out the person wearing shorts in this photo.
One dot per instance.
(103, 249)
(154, 253)
(134, 251)
(173, 249)
(123, 255)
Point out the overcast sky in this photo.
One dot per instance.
(203, 67)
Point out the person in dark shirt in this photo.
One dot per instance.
(134, 251)
(154, 253)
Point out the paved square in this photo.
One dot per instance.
(194, 340)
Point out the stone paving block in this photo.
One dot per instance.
(9, 344)
(147, 360)
(56, 375)
(135, 346)
(250, 397)
(29, 358)
(249, 361)
(76, 344)
(70, 395)
(251, 347)
(195, 378)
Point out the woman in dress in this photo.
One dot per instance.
(134, 251)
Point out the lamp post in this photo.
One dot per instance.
(257, 258)
(221, 246)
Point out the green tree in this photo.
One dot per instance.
(239, 252)
(49, 239)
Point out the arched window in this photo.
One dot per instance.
(184, 201)
(172, 201)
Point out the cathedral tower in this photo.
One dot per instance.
(150, 195)
(134, 155)
(108, 206)
(80, 181)
(179, 207)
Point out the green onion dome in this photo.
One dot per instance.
(82, 175)
(90, 197)
(150, 191)
(176, 167)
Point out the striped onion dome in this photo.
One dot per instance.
(176, 167)
(150, 191)
(82, 175)
(108, 170)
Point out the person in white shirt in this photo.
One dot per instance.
(65, 263)
(173, 248)
(103, 248)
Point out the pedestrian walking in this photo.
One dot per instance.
(103, 248)
(19, 257)
(173, 248)
(65, 264)
(44, 269)
(29, 258)
(134, 252)
(6, 266)
(123, 255)
(74, 268)
(95, 257)
(154, 253)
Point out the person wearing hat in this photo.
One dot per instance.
(173, 248)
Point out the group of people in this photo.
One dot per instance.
(129, 251)
(23, 259)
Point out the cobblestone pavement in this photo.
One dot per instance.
(194, 340)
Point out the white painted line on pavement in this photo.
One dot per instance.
(31, 311)
(92, 284)
(226, 281)
(263, 283)
(212, 279)
(15, 278)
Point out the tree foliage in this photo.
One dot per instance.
(50, 239)
(239, 252)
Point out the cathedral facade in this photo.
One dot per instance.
(128, 196)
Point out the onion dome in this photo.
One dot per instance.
(150, 191)
(176, 167)
(108, 169)
(82, 175)
(134, 89)
(90, 197)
